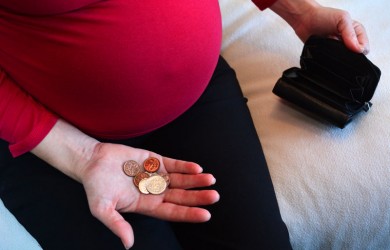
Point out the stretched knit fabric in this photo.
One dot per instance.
(114, 69)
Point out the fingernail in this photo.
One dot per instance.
(126, 247)
(363, 49)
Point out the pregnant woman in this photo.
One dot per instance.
(89, 86)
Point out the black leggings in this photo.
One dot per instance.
(217, 132)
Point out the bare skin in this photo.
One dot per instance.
(307, 17)
(98, 165)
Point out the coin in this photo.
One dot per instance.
(146, 177)
(139, 177)
(142, 186)
(156, 184)
(131, 168)
(151, 164)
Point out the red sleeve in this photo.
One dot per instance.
(263, 4)
(44, 7)
(23, 121)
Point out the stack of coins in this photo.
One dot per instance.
(146, 177)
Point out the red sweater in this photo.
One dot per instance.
(109, 73)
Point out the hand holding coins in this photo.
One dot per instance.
(145, 176)
(110, 192)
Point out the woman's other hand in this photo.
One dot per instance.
(307, 18)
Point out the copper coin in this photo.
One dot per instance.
(139, 177)
(151, 164)
(131, 168)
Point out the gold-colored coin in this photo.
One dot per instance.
(156, 184)
(151, 164)
(142, 186)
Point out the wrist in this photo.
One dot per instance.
(294, 11)
(67, 149)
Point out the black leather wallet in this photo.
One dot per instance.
(333, 83)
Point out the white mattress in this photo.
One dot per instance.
(332, 185)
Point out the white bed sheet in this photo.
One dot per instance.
(332, 185)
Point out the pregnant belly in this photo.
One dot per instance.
(117, 68)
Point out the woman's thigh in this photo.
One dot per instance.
(218, 133)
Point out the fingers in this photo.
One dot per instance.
(362, 37)
(179, 205)
(115, 222)
(177, 213)
(178, 166)
(191, 197)
(353, 34)
(186, 181)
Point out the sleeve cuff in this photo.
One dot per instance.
(264, 4)
(35, 136)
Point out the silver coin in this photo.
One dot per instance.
(156, 184)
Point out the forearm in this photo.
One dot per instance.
(67, 149)
(291, 10)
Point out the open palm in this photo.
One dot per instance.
(111, 192)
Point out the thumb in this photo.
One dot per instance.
(115, 222)
(353, 35)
